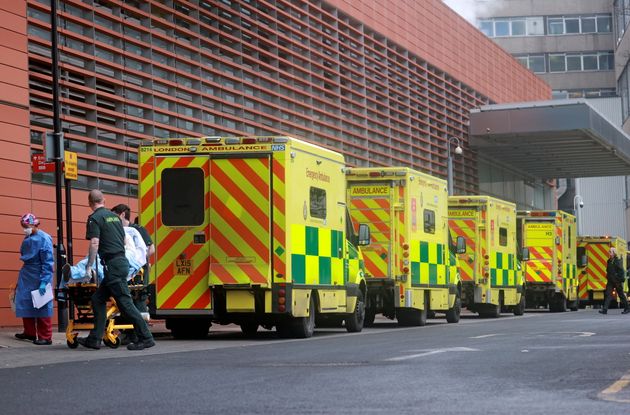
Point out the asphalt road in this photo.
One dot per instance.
(541, 363)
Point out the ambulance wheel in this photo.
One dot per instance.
(453, 314)
(73, 344)
(249, 329)
(370, 316)
(575, 305)
(519, 309)
(411, 317)
(558, 304)
(355, 321)
(490, 311)
(303, 327)
(112, 344)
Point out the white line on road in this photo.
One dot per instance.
(431, 352)
(483, 336)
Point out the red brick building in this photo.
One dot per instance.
(383, 85)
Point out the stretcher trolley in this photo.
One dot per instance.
(82, 316)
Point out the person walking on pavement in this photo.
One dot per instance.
(107, 238)
(37, 271)
(616, 276)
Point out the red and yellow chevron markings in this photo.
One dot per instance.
(539, 266)
(279, 218)
(467, 229)
(596, 269)
(175, 291)
(240, 221)
(376, 212)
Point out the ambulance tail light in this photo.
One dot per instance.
(377, 174)
(249, 141)
(176, 142)
(282, 300)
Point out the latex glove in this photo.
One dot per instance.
(42, 288)
(89, 273)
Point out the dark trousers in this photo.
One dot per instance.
(40, 327)
(618, 286)
(115, 285)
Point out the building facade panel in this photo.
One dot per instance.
(332, 73)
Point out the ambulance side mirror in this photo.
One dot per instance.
(364, 234)
(525, 254)
(461, 245)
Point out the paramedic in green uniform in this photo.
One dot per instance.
(107, 237)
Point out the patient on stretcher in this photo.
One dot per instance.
(135, 252)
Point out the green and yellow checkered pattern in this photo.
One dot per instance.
(570, 277)
(503, 270)
(317, 256)
(427, 263)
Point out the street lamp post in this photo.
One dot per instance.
(578, 201)
(458, 150)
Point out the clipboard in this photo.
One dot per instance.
(41, 300)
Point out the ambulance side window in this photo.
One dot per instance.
(318, 203)
(182, 197)
(503, 239)
(429, 221)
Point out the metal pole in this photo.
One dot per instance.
(62, 311)
(450, 171)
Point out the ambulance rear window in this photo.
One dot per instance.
(429, 221)
(318, 203)
(182, 197)
(503, 238)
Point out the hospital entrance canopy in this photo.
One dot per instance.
(551, 139)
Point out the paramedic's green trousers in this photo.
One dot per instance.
(115, 285)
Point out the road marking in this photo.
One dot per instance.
(609, 394)
(431, 352)
(483, 336)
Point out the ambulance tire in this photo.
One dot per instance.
(490, 311)
(575, 305)
(249, 329)
(370, 316)
(303, 327)
(558, 304)
(190, 328)
(453, 314)
(411, 317)
(519, 309)
(356, 320)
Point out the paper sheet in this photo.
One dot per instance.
(41, 300)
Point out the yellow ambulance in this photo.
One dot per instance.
(592, 256)
(551, 272)
(492, 277)
(252, 231)
(410, 263)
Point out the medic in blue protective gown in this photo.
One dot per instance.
(37, 254)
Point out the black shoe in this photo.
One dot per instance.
(128, 339)
(42, 342)
(603, 312)
(626, 311)
(141, 345)
(23, 336)
(65, 271)
(89, 343)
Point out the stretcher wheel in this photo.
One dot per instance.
(72, 344)
(114, 344)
